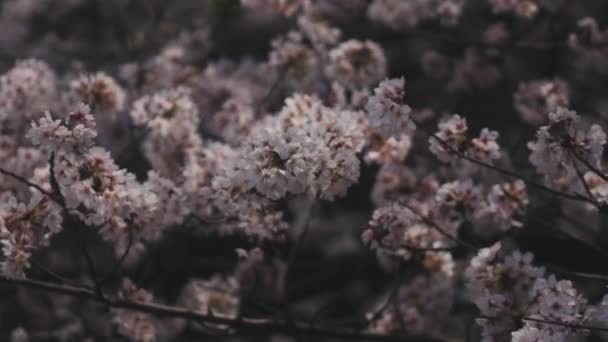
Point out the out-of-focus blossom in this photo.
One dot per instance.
(563, 146)
(100, 92)
(400, 15)
(521, 8)
(534, 100)
(356, 64)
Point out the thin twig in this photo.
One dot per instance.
(440, 229)
(595, 170)
(512, 174)
(315, 318)
(89, 260)
(581, 177)
(55, 276)
(27, 182)
(389, 299)
(118, 267)
(302, 227)
(561, 324)
(582, 275)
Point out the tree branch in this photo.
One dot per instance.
(257, 326)
(509, 173)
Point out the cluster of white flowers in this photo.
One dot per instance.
(100, 193)
(296, 60)
(217, 297)
(439, 212)
(388, 151)
(214, 184)
(25, 227)
(397, 230)
(388, 115)
(75, 134)
(99, 91)
(166, 112)
(590, 46)
(172, 120)
(458, 195)
(499, 283)
(21, 160)
(453, 133)
(557, 302)
(503, 208)
(562, 149)
(421, 225)
(169, 68)
(234, 121)
(485, 147)
(357, 64)
(318, 31)
(507, 286)
(452, 139)
(28, 218)
(521, 8)
(26, 90)
(390, 126)
(498, 210)
(306, 148)
(137, 326)
(224, 81)
(535, 99)
(395, 181)
(400, 15)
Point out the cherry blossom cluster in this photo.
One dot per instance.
(563, 149)
(400, 15)
(236, 185)
(509, 284)
(535, 99)
(97, 191)
(306, 148)
(452, 139)
(433, 222)
(590, 45)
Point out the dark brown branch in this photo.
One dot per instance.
(581, 177)
(390, 299)
(582, 275)
(595, 170)
(566, 325)
(440, 229)
(246, 325)
(27, 182)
